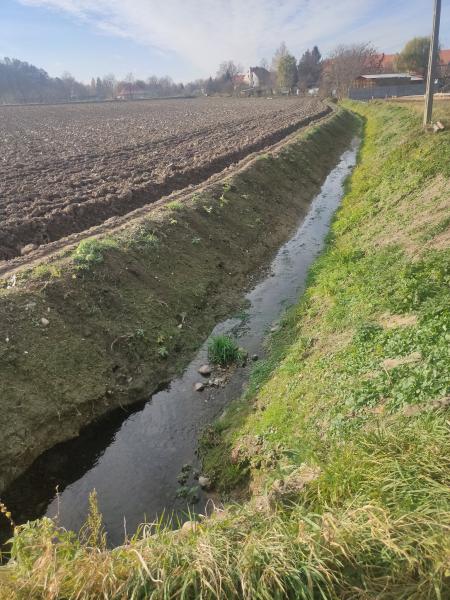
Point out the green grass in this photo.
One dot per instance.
(223, 351)
(339, 450)
(90, 252)
(174, 205)
(46, 271)
(143, 239)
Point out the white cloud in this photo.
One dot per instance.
(205, 32)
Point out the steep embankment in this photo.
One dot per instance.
(106, 324)
(343, 433)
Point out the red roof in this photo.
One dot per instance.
(387, 60)
(445, 57)
(238, 79)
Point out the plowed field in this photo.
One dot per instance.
(66, 168)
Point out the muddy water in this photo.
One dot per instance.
(133, 459)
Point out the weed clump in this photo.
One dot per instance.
(90, 252)
(223, 351)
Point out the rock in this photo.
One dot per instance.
(45, 322)
(205, 370)
(204, 482)
(255, 357)
(188, 527)
(199, 386)
(27, 249)
(273, 329)
(217, 382)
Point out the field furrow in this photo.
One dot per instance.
(67, 168)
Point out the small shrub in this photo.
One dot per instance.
(223, 351)
(46, 271)
(175, 205)
(90, 252)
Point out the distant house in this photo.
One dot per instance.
(386, 79)
(444, 57)
(131, 91)
(388, 62)
(258, 77)
(239, 81)
(386, 85)
(128, 91)
(443, 68)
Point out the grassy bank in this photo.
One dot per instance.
(341, 442)
(104, 325)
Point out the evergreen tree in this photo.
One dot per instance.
(310, 68)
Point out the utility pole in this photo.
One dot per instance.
(434, 50)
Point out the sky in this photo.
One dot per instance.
(188, 39)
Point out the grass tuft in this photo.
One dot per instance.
(90, 252)
(223, 351)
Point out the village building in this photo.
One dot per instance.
(386, 79)
(387, 83)
(258, 77)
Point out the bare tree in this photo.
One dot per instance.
(226, 75)
(109, 85)
(345, 64)
(228, 70)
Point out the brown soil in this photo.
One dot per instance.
(66, 168)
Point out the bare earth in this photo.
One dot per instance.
(66, 168)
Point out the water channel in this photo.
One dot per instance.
(133, 458)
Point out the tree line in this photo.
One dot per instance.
(332, 75)
(21, 82)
